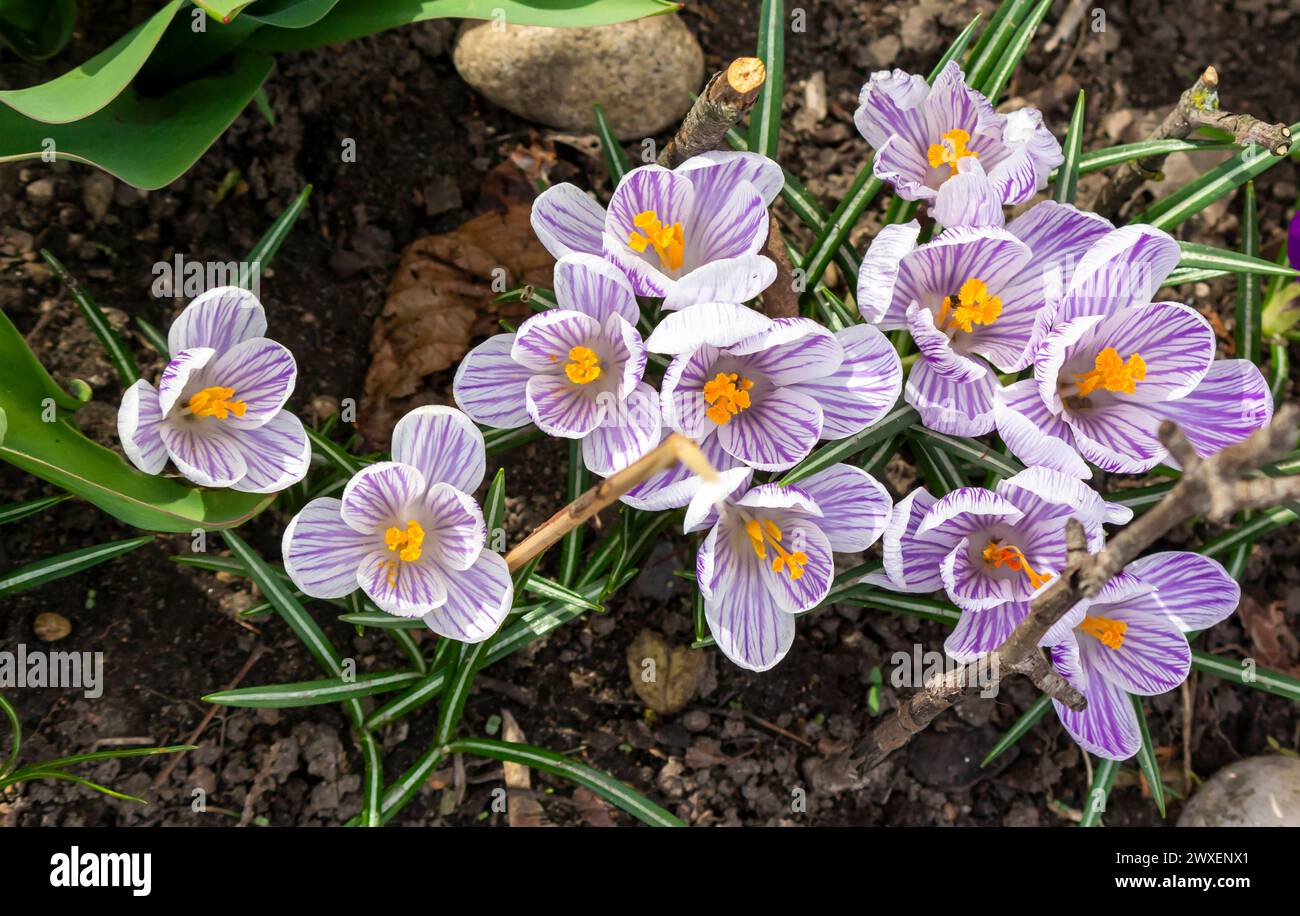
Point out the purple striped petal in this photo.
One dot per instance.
(728, 220)
(1108, 727)
(1154, 656)
(623, 356)
(218, 319)
(799, 535)
(567, 221)
(955, 408)
(892, 104)
(939, 269)
(202, 451)
(671, 197)
(262, 373)
(952, 104)
(382, 495)
(1120, 438)
(980, 632)
(905, 166)
(1124, 268)
(176, 375)
(1058, 234)
(277, 454)
(879, 273)
(1230, 403)
(443, 445)
(1195, 592)
(937, 348)
(1031, 432)
(321, 552)
(400, 588)
(454, 529)
(681, 393)
(967, 510)
(1066, 659)
(974, 585)
(912, 560)
(675, 487)
(705, 505)
(478, 600)
(1052, 354)
(1032, 153)
(771, 496)
(491, 387)
(725, 280)
(139, 421)
(968, 198)
(1175, 341)
(726, 168)
(647, 278)
(589, 284)
(747, 624)
(864, 387)
(543, 342)
(792, 350)
(716, 324)
(855, 506)
(561, 408)
(625, 434)
(776, 433)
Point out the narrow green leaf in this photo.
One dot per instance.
(864, 189)
(994, 37)
(1146, 758)
(408, 645)
(545, 588)
(903, 603)
(1098, 159)
(1007, 63)
(1248, 674)
(65, 564)
(900, 418)
(1281, 370)
(373, 807)
(1206, 257)
(155, 337)
(1067, 181)
(15, 736)
(1139, 499)
(1103, 780)
(506, 439)
(571, 545)
(123, 362)
(302, 624)
(378, 620)
(29, 775)
(59, 763)
(956, 49)
(264, 251)
(314, 693)
(970, 451)
(1028, 719)
(1263, 521)
(604, 785)
(937, 467)
(765, 117)
(616, 161)
(333, 453)
(1249, 301)
(15, 511)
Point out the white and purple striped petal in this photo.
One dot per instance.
(1031, 432)
(968, 198)
(1120, 438)
(879, 273)
(139, 422)
(180, 369)
(912, 560)
(1108, 727)
(203, 451)
(401, 588)
(589, 284)
(478, 600)
(443, 445)
(956, 408)
(855, 506)
(746, 622)
(1195, 592)
(322, 553)
(382, 495)
(543, 342)
(262, 374)
(727, 168)
(777, 432)
(1176, 343)
(1125, 267)
(567, 221)
(980, 632)
(792, 350)
(276, 454)
(217, 320)
(454, 529)
(726, 280)
(1231, 402)
(625, 434)
(864, 387)
(892, 104)
(491, 387)
(1032, 153)
(561, 408)
(715, 324)
(1153, 657)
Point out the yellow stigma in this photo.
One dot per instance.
(1110, 632)
(952, 149)
(727, 395)
(1112, 373)
(406, 543)
(668, 241)
(216, 402)
(971, 306)
(764, 533)
(584, 366)
(1013, 558)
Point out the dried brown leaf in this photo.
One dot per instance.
(665, 677)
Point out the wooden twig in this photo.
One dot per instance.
(725, 100)
(672, 450)
(1197, 107)
(780, 299)
(1216, 487)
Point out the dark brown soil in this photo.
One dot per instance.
(740, 752)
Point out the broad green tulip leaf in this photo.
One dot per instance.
(146, 142)
(37, 29)
(291, 14)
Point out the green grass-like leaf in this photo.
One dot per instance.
(1103, 780)
(123, 362)
(49, 569)
(1006, 64)
(1027, 720)
(267, 246)
(897, 420)
(765, 117)
(1067, 180)
(314, 693)
(1146, 758)
(616, 161)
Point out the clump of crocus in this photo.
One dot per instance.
(690, 234)
(991, 551)
(408, 533)
(768, 553)
(1110, 365)
(767, 390)
(574, 370)
(1129, 639)
(970, 298)
(925, 137)
(218, 411)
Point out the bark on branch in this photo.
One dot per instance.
(1216, 487)
(725, 100)
(1197, 107)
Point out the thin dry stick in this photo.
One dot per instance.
(1197, 107)
(781, 299)
(725, 100)
(1216, 487)
(672, 450)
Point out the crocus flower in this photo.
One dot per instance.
(1129, 640)
(926, 136)
(218, 411)
(970, 298)
(1110, 365)
(767, 390)
(574, 370)
(991, 551)
(690, 234)
(408, 533)
(768, 553)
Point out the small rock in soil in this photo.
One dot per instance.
(1255, 792)
(51, 627)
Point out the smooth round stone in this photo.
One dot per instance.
(1255, 792)
(642, 72)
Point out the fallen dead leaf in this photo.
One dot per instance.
(665, 677)
(522, 807)
(593, 810)
(1271, 640)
